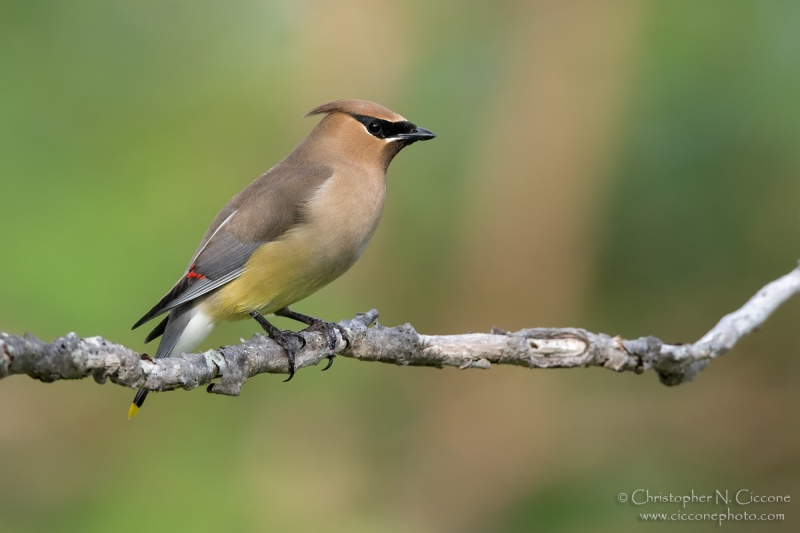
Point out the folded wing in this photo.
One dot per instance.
(260, 213)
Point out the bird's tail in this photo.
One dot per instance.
(186, 327)
(138, 400)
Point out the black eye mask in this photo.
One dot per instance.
(383, 129)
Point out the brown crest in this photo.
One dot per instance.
(357, 107)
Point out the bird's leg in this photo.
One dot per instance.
(285, 339)
(315, 324)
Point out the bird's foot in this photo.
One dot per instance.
(326, 328)
(291, 342)
(286, 339)
(329, 329)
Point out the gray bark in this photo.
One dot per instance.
(226, 370)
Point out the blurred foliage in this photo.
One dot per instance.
(629, 167)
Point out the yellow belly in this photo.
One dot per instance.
(278, 274)
(342, 216)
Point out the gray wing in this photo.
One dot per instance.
(261, 213)
(222, 260)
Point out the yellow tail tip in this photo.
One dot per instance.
(132, 411)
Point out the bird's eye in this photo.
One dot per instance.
(374, 127)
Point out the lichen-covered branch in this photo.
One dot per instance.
(225, 370)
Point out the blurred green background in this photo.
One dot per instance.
(627, 167)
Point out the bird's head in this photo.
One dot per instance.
(366, 130)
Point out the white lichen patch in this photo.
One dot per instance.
(214, 358)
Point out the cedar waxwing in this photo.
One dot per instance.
(292, 231)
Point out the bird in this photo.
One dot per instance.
(292, 231)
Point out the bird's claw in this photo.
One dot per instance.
(291, 342)
(329, 329)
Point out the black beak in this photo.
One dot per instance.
(417, 134)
